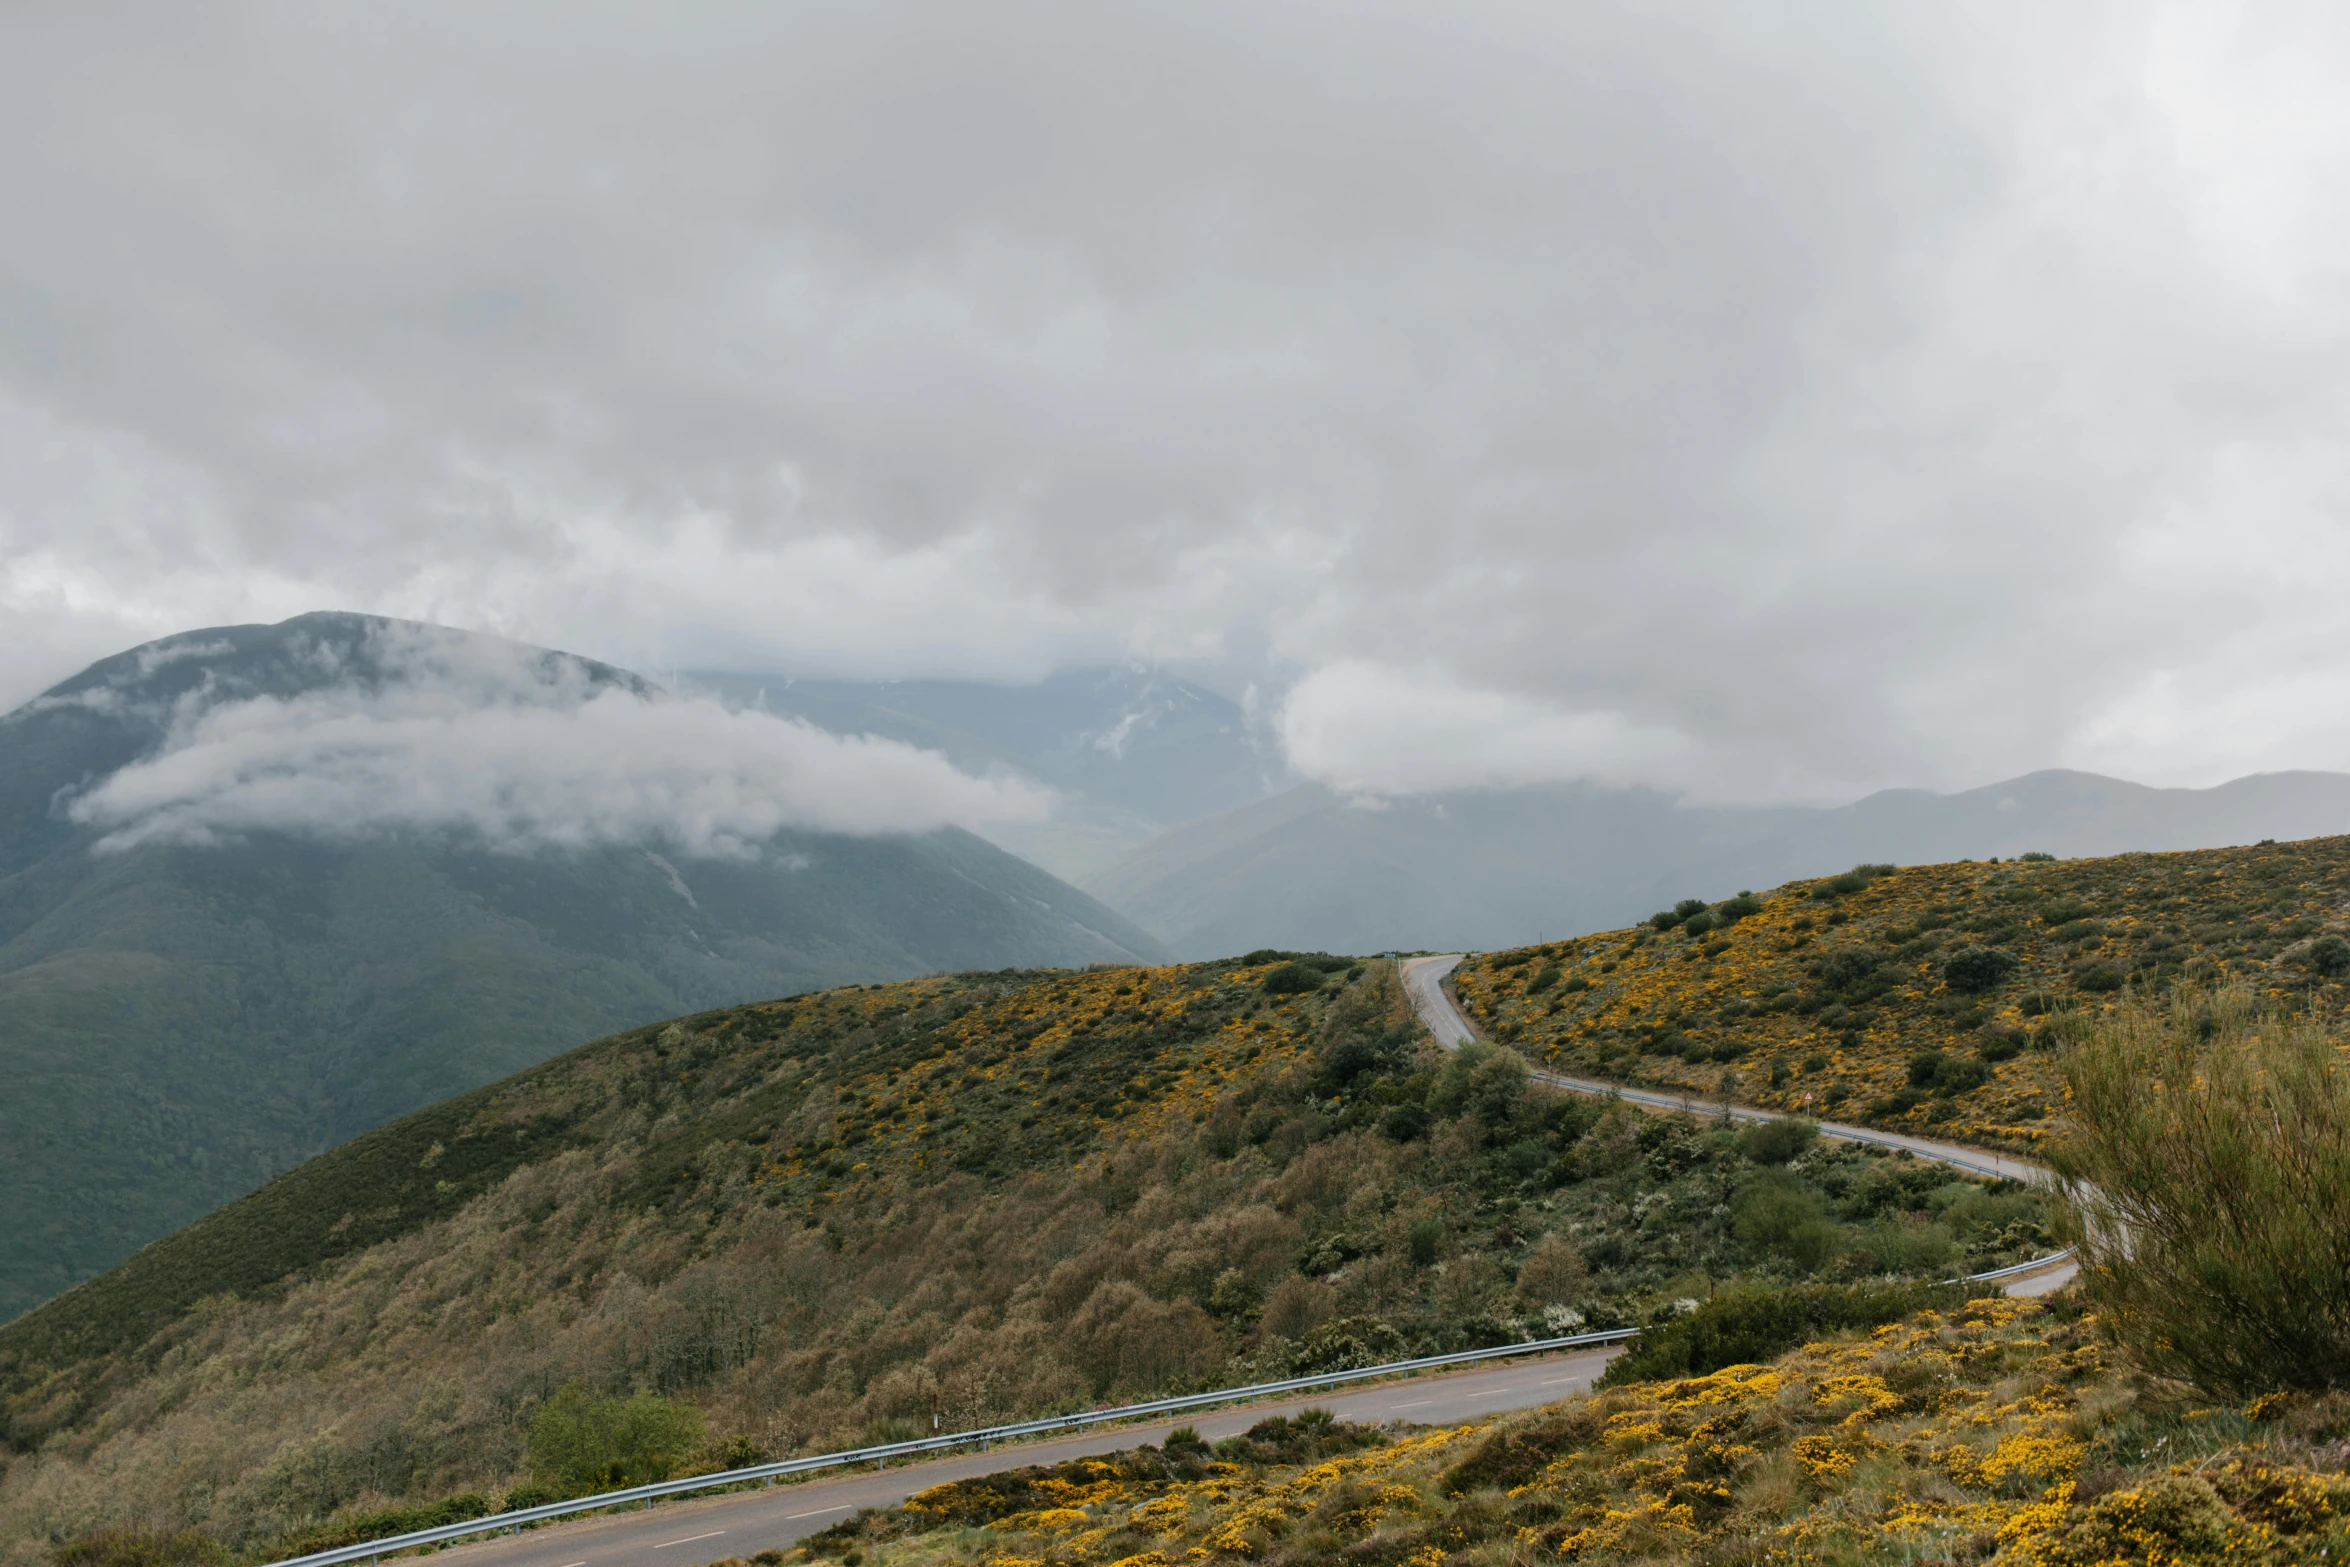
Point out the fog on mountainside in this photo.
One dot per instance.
(263, 887)
(1129, 750)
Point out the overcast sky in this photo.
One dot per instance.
(1774, 402)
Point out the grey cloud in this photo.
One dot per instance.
(1771, 402)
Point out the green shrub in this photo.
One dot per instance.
(1732, 910)
(1777, 1142)
(1854, 974)
(1424, 1239)
(2208, 1175)
(1699, 923)
(1973, 970)
(1543, 980)
(2328, 957)
(1754, 1326)
(1688, 908)
(1349, 1344)
(1293, 979)
(1350, 1058)
(2099, 977)
(1509, 1459)
(1946, 1074)
(2035, 857)
(1776, 1213)
(1404, 1122)
(1309, 1435)
(581, 1443)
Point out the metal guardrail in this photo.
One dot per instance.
(2014, 1269)
(881, 1455)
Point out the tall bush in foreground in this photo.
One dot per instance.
(2208, 1172)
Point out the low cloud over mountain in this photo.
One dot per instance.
(419, 729)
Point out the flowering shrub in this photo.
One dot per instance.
(1819, 996)
(1991, 1431)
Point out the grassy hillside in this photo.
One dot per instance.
(1994, 1431)
(178, 1024)
(798, 1224)
(1928, 998)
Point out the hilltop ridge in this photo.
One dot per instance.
(1920, 997)
(1506, 867)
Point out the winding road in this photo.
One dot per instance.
(704, 1529)
(1423, 980)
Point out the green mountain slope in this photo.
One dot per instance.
(179, 1023)
(830, 1217)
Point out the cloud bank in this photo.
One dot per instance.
(521, 751)
(1770, 402)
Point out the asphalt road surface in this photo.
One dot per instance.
(1423, 980)
(689, 1533)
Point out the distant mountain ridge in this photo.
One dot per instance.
(180, 1022)
(1499, 868)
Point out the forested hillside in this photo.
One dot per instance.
(183, 1017)
(783, 1227)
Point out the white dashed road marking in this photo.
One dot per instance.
(689, 1539)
